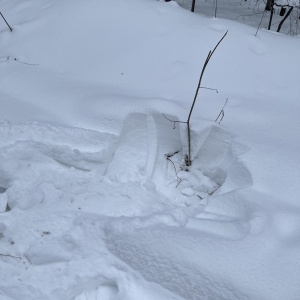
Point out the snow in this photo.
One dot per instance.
(95, 199)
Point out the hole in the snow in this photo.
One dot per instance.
(216, 168)
(2, 190)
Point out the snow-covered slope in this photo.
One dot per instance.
(91, 205)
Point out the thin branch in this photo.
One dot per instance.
(6, 22)
(178, 178)
(8, 255)
(196, 94)
(222, 114)
(198, 87)
(202, 73)
(174, 122)
(260, 23)
(250, 15)
(168, 155)
(207, 88)
(218, 44)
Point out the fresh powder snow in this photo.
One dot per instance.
(96, 202)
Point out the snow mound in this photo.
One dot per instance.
(35, 157)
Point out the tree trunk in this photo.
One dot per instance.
(193, 6)
(271, 17)
(269, 5)
(286, 16)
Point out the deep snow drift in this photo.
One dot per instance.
(91, 206)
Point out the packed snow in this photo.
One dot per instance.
(96, 202)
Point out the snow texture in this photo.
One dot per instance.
(96, 202)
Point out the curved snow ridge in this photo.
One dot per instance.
(80, 138)
(142, 144)
(35, 156)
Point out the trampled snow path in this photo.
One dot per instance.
(75, 184)
(87, 180)
(74, 187)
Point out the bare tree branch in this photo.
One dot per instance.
(6, 21)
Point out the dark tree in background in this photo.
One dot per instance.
(193, 6)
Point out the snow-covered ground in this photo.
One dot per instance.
(91, 205)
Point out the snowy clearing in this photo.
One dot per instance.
(96, 202)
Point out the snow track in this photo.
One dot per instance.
(119, 195)
(167, 267)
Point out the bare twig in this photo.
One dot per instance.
(174, 122)
(167, 156)
(6, 22)
(8, 255)
(189, 161)
(250, 15)
(207, 88)
(260, 22)
(178, 178)
(25, 262)
(221, 114)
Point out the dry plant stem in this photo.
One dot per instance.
(221, 113)
(222, 116)
(207, 88)
(260, 22)
(178, 178)
(8, 255)
(6, 22)
(189, 162)
(174, 122)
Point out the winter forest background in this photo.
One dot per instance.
(281, 16)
